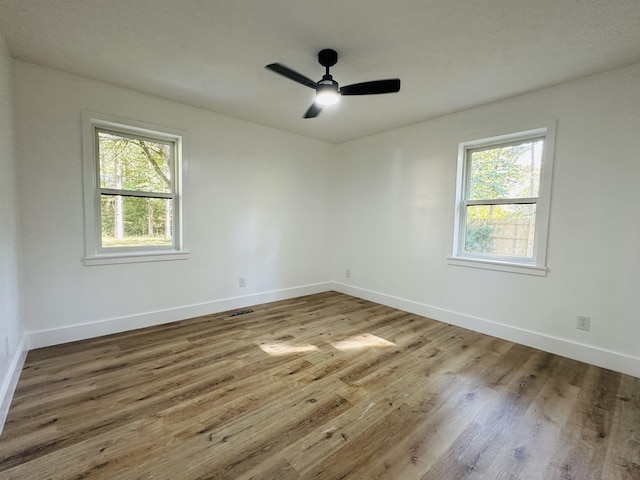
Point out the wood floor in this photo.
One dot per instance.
(320, 387)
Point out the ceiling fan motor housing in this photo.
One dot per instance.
(327, 57)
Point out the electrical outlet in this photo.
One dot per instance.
(347, 273)
(242, 282)
(584, 323)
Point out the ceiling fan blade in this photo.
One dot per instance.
(292, 75)
(314, 111)
(371, 88)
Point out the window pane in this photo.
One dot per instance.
(501, 230)
(133, 163)
(506, 171)
(136, 221)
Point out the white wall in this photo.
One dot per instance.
(290, 213)
(10, 322)
(396, 223)
(258, 205)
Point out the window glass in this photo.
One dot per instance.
(135, 221)
(507, 230)
(136, 191)
(505, 171)
(132, 163)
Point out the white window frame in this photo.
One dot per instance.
(537, 265)
(93, 122)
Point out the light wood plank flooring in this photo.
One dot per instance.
(320, 387)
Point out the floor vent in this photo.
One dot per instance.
(241, 312)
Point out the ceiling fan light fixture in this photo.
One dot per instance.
(327, 94)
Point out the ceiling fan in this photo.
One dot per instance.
(328, 91)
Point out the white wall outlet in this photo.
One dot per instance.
(584, 323)
(347, 273)
(4, 345)
(242, 282)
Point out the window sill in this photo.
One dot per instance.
(498, 266)
(134, 257)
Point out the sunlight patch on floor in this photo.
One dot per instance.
(358, 342)
(283, 348)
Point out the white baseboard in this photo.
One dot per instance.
(10, 381)
(585, 353)
(72, 333)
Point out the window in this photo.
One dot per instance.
(132, 192)
(502, 205)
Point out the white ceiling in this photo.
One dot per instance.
(449, 54)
